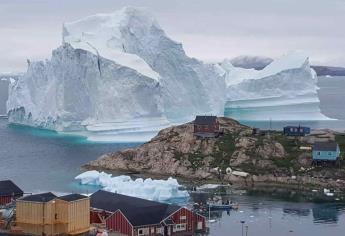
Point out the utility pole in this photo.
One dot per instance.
(242, 222)
(246, 230)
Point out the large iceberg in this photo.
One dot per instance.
(118, 76)
(286, 89)
(157, 190)
(115, 70)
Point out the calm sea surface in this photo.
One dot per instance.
(40, 160)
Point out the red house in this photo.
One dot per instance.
(138, 217)
(9, 191)
(206, 126)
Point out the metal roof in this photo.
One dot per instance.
(325, 146)
(8, 188)
(42, 197)
(205, 120)
(72, 197)
(138, 211)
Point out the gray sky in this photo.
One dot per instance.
(210, 30)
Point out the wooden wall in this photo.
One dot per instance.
(118, 223)
(5, 200)
(79, 215)
(54, 217)
(35, 212)
(190, 219)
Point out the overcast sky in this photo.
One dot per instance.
(210, 30)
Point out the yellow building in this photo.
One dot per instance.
(52, 215)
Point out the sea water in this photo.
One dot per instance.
(41, 160)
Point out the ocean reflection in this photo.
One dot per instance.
(327, 213)
(270, 215)
(297, 211)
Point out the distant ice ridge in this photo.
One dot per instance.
(251, 62)
(286, 89)
(156, 190)
(116, 68)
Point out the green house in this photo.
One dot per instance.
(326, 151)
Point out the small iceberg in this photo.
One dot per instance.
(156, 190)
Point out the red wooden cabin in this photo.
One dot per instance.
(9, 191)
(138, 217)
(206, 126)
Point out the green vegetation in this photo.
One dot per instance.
(195, 159)
(225, 147)
(291, 146)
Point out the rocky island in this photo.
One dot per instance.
(238, 156)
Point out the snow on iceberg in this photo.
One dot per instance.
(286, 89)
(118, 75)
(156, 190)
(114, 68)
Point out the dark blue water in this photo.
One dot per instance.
(42, 160)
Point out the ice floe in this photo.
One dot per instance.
(157, 190)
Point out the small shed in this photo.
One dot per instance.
(133, 216)
(206, 126)
(9, 191)
(73, 213)
(296, 130)
(46, 213)
(326, 151)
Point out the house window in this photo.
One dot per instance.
(159, 230)
(143, 231)
(179, 227)
(183, 217)
(199, 225)
(318, 153)
(329, 154)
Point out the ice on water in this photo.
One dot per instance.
(157, 190)
(119, 75)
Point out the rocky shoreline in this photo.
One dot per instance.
(237, 157)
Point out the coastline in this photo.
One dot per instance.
(308, 186)
(238, 158)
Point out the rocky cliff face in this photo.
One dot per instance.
(236, 156)
(175, 151)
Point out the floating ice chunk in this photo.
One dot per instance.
(157, 190)
(208, 186)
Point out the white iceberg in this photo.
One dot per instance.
(156, 190)
(286, 89)
(118, 76)
(119, 68)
